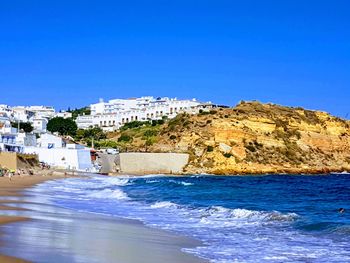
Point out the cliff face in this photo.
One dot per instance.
(256, 138)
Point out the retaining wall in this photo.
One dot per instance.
(8, 160)
(153, 163)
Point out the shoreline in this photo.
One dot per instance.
(20, 213)
(12, 188)
(281, 173)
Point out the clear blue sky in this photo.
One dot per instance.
(64, 54)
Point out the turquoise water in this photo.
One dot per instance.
(280, 218)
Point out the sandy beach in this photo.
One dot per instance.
(13, 187)
(34, 231)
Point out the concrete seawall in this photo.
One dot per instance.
(149, 163)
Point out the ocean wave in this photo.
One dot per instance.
(115, 181)
(152, 181)
(150, 176)
(219, 216)
(164, 204)
(109, 194)
(180, 182)
(219, 212)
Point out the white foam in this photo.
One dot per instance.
(164, 204)
(216, 213)
(110, 181)
(109, 194)
(181, 182)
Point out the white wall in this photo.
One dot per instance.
(77, 159)
(46, 139)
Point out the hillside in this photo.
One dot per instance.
(250, 138)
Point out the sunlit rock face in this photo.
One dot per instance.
(256, 138)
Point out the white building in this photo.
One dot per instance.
(64, 114)
(50, 141)
(52, 150)
(40, 125)
(26, 139)
(75, 159)
(84, 121)
(6, 111)
(113, 114)
(42, 111)
(8, 136)
(22, 114)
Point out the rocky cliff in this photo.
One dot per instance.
(252, 138)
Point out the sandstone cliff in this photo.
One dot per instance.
(252, 138)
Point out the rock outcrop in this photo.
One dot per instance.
(256, 138)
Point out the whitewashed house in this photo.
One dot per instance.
(40, 125)
(84, 121)
(42, 111)
(22, 114)
(8, 136)
(48, 140)
(52, 150)
(26, 139)
(64, 114)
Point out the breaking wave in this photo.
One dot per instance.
(109, 194)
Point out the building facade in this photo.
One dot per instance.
(115, 113)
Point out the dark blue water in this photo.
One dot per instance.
(285, 218)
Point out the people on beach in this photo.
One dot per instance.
(10, 175)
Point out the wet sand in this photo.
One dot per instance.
(13, 187)
(40, 232)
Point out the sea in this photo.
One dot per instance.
(270, 218)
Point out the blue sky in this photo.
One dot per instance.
(64, 54)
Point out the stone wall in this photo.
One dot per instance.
(153, 163)
(8, 160)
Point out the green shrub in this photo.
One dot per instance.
(227, 155)
(150, 141)
(210, 148)
(124, 138)
(107, 144)
(133, 124)
(172, 137)
(150, 133)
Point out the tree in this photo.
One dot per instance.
(25, 126)
(95, 133)
(62, 126)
